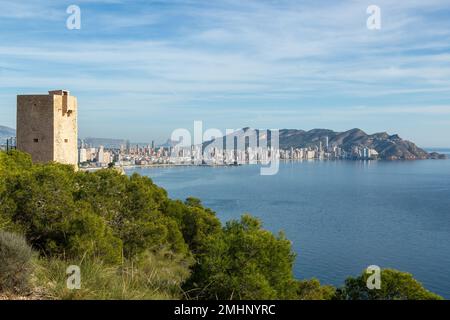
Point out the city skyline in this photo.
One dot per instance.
(146, 68)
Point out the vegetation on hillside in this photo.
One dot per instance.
(133, 242)
(395, 285)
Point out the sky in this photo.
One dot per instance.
(141, 69)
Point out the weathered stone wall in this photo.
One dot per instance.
(47, 127)
(35, 133)
(65, 129)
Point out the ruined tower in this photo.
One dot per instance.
(47, 127)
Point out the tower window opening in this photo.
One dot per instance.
(35, 140)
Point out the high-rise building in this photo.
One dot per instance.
(47, 127)
(101, 155)
(82, 155)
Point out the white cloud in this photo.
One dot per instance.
(246, 51)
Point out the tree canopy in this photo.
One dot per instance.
(395, 285)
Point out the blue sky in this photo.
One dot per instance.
(141, 69)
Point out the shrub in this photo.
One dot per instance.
(196, 223)
(14, 161)
(395, 285)
(133, 208)
(15, 266)
(43, 206)
(244, 262)
(313, 290)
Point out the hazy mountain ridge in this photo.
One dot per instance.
(106, 142)
(5, 133)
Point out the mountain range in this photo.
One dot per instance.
(389, 147)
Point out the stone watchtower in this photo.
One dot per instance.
(47, 127)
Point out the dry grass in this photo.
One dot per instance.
(156, 276)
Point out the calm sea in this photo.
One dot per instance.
(341, 216)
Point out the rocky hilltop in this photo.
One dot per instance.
(389, 147)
